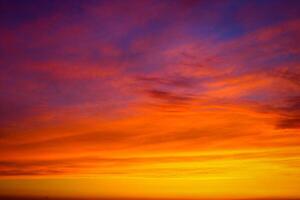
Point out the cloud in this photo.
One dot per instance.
(148, 166)
(290, 113)
(169, 97)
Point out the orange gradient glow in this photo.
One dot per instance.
(155, 106)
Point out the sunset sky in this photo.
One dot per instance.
(150, 99)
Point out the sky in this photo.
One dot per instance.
(150, 99)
